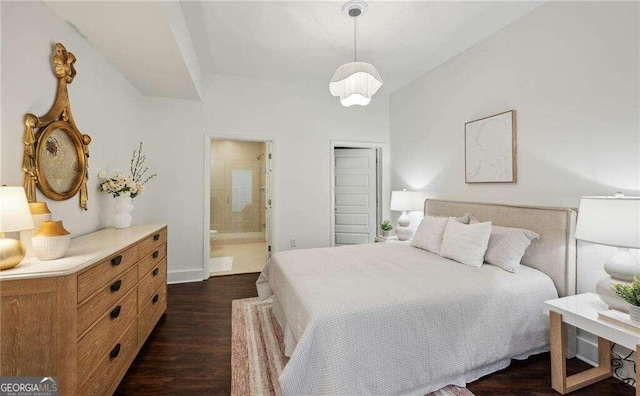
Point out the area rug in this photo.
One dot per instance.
(257, 351)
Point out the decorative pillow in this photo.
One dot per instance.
(507, 246)
(464, 219)
(428, 235)
(466, 243)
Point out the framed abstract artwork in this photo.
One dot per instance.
(490, 149)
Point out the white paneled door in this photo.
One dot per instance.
(355, 188)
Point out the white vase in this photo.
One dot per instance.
(51, 241)
(634, 314)
(124, 207)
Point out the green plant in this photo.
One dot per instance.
(386, 225)
(629, 292)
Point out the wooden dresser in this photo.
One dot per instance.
(83, 318)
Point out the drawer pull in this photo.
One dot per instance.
(115, 286)
(115, 312)
(156, 237)
(155, 271)
(155, 299)
(115, 351)
(116, 260)
(156, 254)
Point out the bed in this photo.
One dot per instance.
(393, 319)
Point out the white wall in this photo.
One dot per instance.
(300, 119)
(571, 70)
(104, 104)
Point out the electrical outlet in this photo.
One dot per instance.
(293, 242)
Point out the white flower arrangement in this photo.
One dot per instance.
(127, 186)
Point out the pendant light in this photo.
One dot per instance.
(355, 82)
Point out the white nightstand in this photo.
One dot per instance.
(393, 239)
(581, 311)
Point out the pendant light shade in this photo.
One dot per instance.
(355, 83)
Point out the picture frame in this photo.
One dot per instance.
(490, 149)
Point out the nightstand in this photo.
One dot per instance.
(581, 311)
(393, 239)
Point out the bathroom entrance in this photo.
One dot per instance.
(239, 206)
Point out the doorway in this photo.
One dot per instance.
(239, 203)
(356, 193)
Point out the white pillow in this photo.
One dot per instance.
(464, 243)
(507, 246)
(428, 235)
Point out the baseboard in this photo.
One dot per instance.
(587, 351)
(185, 276)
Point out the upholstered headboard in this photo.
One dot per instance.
(554, 253)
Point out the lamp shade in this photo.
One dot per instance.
(613, 221)
(355, 83)
(14, 210)
(405, 201)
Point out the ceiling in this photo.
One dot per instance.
(148, 42)
(166, 48)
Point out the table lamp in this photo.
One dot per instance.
(14, 216)
(612, 221)
(404, 201)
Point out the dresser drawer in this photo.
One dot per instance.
(150, 283)
(153, 242)
(99, 341)
(98, 305)
(151, 260)
(99, 274)
(112, 364)
(151, 313)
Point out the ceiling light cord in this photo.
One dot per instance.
(355, 42)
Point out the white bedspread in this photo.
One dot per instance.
(386, 318)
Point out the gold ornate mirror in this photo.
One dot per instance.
(55, 152)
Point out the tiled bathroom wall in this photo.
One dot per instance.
(237, 186)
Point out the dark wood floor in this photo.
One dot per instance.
(189, 352)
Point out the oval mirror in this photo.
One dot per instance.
(60, 161)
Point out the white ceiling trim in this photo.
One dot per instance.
(175, 18)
